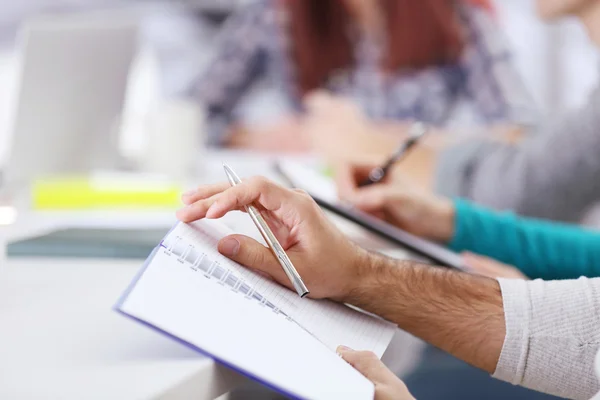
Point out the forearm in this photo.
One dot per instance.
(540, 249)
(542, 335)
(457, 312)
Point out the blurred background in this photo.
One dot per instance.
(556, 61)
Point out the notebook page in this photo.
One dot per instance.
(252, 339)
(332, 323)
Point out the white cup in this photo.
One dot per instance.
(174, 140)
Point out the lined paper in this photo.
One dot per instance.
(331, 323)
(265, 345)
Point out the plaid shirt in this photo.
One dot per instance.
(256, 43)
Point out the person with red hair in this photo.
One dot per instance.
(396, 59)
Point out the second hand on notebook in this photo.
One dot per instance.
(271, 240)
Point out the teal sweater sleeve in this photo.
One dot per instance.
(540, 249)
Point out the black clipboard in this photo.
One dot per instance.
(435, 252)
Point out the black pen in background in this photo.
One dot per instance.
(377, 174)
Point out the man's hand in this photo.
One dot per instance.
(397, 201)
(458, 312)
(387, 385)
(326, 260)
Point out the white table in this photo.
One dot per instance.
(60, 339)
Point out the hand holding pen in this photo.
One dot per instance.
(270, 238)
(312, 242)
(377, 174)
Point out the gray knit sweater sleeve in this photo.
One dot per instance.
(554, 174)
(552, 335)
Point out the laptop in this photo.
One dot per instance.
(70, 92)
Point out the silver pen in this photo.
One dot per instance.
(270, 238)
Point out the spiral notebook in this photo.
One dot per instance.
(190, 292)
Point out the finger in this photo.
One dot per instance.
(365, 362)
(349, 175)
(257, 190)
(196, 210)
(203, 192)
(251, 254)
(200, 209)
(227, 198)
(345, 180)
(373, 198)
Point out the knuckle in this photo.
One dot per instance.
(248, 189)
(351, 359)
(224, 198)
(366, 358)
(370, 357)
(359, 364)
(367, 362)
(198, 206)
(255, 258)
(301, 192)
(260, 183)
(311, 205)
(254, 181)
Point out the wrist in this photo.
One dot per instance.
(428, 216)
(368, 269)
(354, 273)
(443, 223)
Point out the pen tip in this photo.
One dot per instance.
(231, 176)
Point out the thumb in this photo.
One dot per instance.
(387, 385)
(253, 255)
(365, 362)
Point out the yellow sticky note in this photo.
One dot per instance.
(93, 192)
